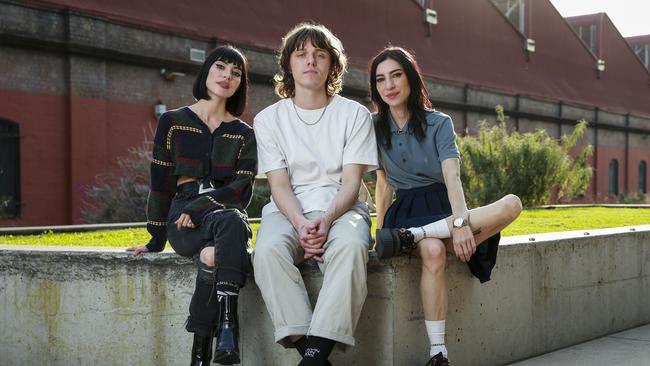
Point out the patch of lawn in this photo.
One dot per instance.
(531, 221)
(535, 221)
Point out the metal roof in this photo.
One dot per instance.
(473, 42)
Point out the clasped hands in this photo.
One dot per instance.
(312, 235)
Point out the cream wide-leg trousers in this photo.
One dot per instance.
(344, 290)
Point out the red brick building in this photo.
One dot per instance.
(80, 79)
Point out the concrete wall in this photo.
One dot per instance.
(64, 307)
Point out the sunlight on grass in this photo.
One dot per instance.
(531, 221)
(534, 221)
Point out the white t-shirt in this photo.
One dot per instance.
(314, 155)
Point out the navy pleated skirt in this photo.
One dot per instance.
(424, 205)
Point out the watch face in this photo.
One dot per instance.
(458, 222)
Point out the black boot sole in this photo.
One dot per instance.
(201, 363)
(384, 244)
(227, 358)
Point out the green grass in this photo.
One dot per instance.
(534, 221)
(531, 221)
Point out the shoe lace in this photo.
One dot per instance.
(407, 240)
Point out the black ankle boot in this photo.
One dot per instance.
(392, 242)
(201, 351)
(227, 350)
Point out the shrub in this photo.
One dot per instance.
(530, 165)
(121, 195)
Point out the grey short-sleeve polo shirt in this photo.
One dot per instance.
(410, 163)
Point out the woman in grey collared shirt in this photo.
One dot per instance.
(420, 162)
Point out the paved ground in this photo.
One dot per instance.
(628, 348)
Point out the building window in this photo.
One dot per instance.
(587, 34)
(642, 177)
(613, 177)
(515, 11)
(9, 170)
(642, 52)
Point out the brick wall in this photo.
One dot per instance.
(82, 89)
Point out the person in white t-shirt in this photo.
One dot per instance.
(313, 146)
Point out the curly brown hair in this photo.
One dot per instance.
(320, 37)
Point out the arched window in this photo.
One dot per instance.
(643, 171)
(613, 177)
(9, 169)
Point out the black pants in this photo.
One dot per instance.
(229, 232)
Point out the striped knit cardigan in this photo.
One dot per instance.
(184, 146)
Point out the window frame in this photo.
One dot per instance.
(520, 23)
(10, 148)
(613, 178)
(643, 175)
(642, 52)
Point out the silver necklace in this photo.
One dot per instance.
(305, 122)
(403, 129)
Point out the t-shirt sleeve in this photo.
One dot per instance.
(361, 145)
(269, 154)
(446, 141)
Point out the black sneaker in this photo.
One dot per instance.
(438, 360)
(391, 242)
(327, 363)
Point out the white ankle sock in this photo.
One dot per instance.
(436, 332)
(438, 229)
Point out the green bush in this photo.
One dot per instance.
(530, 165)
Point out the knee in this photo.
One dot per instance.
(433, 254)
(207, 256)
(234, 220)
(511, 207)
(353, 248)
(264, 252)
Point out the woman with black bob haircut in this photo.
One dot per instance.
(420, 162)
(236, 104)
(204, 163)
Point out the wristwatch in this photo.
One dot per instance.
(460, 222)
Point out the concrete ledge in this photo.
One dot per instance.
(63, 306)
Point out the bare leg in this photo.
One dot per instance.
(433, 291)
(485, 221)
(433, 285)
(488, 220)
